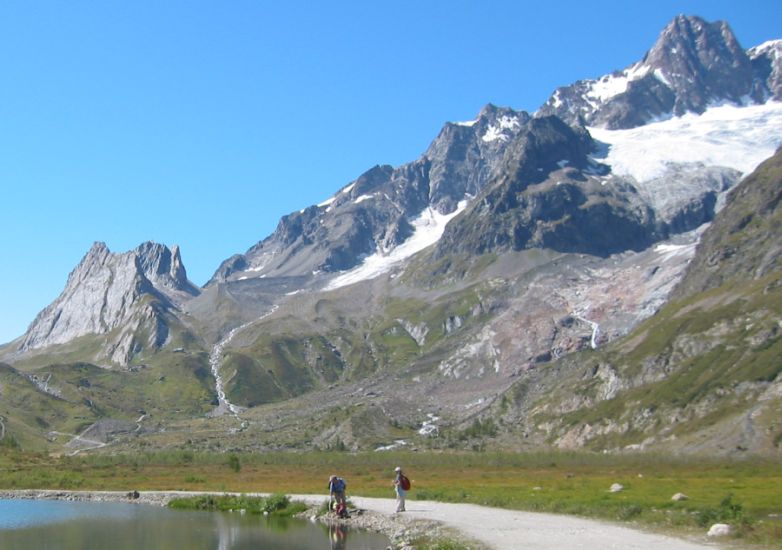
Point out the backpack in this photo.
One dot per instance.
(338, 485)
(342, 511)
(404, 483)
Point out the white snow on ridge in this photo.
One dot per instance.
(771, 46)
(429, 227)
(325, 203)
(557, 100)
(727, 135)
(362, 198)
(659, 75)
(468, 123)
(495, 132)
(609, 86)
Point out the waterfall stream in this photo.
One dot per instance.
(215, 358)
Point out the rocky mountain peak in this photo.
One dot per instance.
(701, 62)
(163, 267)
(692, 65)
(109, 291)
(376, 212)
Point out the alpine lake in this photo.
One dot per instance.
(68, 525)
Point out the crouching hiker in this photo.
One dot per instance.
(401, 485)
(337, 487)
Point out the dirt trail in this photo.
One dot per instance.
(513, 530)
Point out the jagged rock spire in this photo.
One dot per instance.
(108, 292)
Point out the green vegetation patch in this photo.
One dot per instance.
(276, 504)
(277, 367)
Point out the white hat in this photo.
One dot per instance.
(398, 469)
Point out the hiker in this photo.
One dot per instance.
(337, 488)
(401, 485)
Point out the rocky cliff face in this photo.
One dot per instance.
(692, 65)
(375, 212)
(550, 194)
(744, 241)
(766, 62)
(110, 292)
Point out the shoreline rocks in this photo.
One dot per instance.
(401, 530)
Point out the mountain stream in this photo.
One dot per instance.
(215, 357)
(595, 328)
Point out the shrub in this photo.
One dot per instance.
(728, 512)
(276, 502)
(234, 463)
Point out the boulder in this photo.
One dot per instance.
(719, 530)
(617, 487)
(679, 496)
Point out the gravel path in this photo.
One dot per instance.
(496, 528)
(513, 530)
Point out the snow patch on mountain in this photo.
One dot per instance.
(363, 198)
(669, 251)
(497, 131)
(725, 135)
(612, 85)
(324, 203)
(428, 228)
(770, 47)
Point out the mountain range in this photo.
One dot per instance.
(591, 275)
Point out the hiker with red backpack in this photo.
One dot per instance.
(401, 485)
(337, 488)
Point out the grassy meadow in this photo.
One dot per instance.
(747, 494)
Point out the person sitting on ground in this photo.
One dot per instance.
(337, 488)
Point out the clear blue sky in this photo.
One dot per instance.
(202, 123)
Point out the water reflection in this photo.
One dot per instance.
(71, 525)
(338, 535)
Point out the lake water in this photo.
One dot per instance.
(60, 525)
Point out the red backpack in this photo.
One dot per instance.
(404, 483)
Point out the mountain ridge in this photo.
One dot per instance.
(692, 65)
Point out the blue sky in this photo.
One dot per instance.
(202, 123)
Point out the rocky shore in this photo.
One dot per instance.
(402, 530)
(157, 498)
